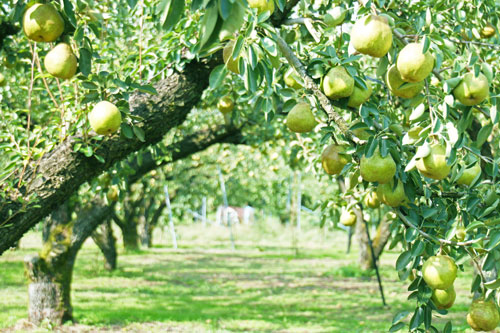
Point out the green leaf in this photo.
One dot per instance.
(427, 43)
(403, 260)
(132, 3)
(397, 327)
(127, 130)
(217, 76)
(207, 24)
(139, 133)
(400, 316)
(494, 240)
(172, 11)
(225, 9)
(85, 61)
(448, 327)
(68, 10)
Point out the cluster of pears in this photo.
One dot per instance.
(439, 272)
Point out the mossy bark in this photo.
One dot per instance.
(103, 237)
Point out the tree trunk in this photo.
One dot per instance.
(103, 237)
(378, 242)
(130, 235)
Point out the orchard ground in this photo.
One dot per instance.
(205, 286)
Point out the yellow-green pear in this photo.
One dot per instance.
(334, 159)
(112, 194)
(472, 90)
(439, 272)
(371, 200)
(290, 79)
(412, 64)
(335, 16)
(390, 197)
(372, 35)
(42, 23)
(487, 31)
(483, 315)
(105, 118)
(434, 164)
(359, 95)
(338, 83)
(227, 53)
(61, 62)
(444, 299)
(262, 5)
(377, 168)
(225, 104)
(460, 234)
(348, 217)
(399, 87)
(300, 119)
(3, 82)
(469, 175)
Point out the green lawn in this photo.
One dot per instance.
(204, 286)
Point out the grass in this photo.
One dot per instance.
(204, 286)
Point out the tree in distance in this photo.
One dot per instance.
(3, 82)
(112, 194)
(414, 65)
(371, 200)
(377, 168)
(105, 118)
(61, 62)
(469, 175)
(300, 119)
(290, 79)
(372, 35)
(334, 159)
(227, 55)
(335, 16)
(483, 315)
(472, 90)
(359, 95)
(444, 299)
(399, 87)
(348, 217)
(439, 272)
(434, 164)
(338, 83)
(262, 5)
(225, 104)
(392, 198)
(487, 31)
(42, 23)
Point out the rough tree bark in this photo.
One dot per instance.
(150, 224)
(104, 239)
(378, 241)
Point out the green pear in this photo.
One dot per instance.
(112, 194)
(61, 62)
(472, 90)
(412, 64)
(42, 23)
(372, 35)
(338, 83)
(334, 159)
(290, 79)
(434, 164)
(483, 315)
(377, 168)
(469, 175)
(390, 197)
(460, 234)
(487, 31)
(300, 119)
(359, 95)
(444, 299)
(3, 82)
(439, 272)
(262, 5)
(225, 104)
(227, 53)
(371, 200)
(105, 118)
(348, 217)
(399, 87)
(335, 16)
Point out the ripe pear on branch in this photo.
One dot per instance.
(338, 83)
(414, 65)
(439, 272)
(393, 197)
(42, 23)
(399, 87)
(434, 165)
(105, 118)
(227, 55)
(472, 90)
(377, 168)
(372, 35)
(359, 95)
(225, 104)
(334, 159)
(300, 119)
(348, 217)
(61, 62)
(483, 315)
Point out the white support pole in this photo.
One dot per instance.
(224, 198)
(299, 201)
(204, 211)
(170, 217)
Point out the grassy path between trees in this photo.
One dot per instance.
(204, 286)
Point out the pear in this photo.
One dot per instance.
(434, 165)
(412, 64)
(300, 119)
(371, 200)
(460, 234)
(262, 5)
(348, 217)
(61, 62)
(444, 299)
(42, 23)
(227, 54)
(483, 315)
(439, 272)
(3, 82)
(225, 104)
(359, 95)
(372, 35)
(377, 168)
(469, 175)
(472, 90)
(399, 87)
(334, 159)
(290, 80)
(105, 118)
(390, 197)
(335, 16)
(338, 83)
(487, 31)
(112, 194)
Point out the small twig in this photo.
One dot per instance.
(493, 46)
(478, 267)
